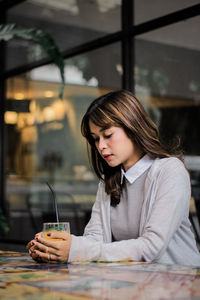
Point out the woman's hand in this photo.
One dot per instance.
(31, 248)
(44, 250)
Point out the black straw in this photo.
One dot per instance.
(55, 201)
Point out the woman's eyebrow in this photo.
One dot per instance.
(104, 128)
(101, 130)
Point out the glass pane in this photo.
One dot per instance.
(70, 23)
(167, 77)
(146, 10)
(44, 142)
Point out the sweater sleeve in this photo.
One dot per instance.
(87, 247)
(169, 195)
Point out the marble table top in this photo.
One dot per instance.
(22, 278)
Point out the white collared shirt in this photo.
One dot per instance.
(125, 217)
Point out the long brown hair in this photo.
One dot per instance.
(122, 109)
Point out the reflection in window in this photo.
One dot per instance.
(44, 141)
(167, 82)
(145, 10)
(70, 23)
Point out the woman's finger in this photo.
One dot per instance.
(43, 248)
(59, 235)
(29, 245)
(40, 246)
(47, 243)
(45, 257)
(35, 257)
(32, 249)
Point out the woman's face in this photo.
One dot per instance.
(115, 146)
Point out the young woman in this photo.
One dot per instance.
(142, 204)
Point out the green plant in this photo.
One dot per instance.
(3, 224)
(46, 42)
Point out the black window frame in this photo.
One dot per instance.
(125, 36)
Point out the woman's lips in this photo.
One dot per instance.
(107, 157)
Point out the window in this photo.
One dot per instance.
(44, 142)
(42, 139)
(145, 10)
(70, 23)
(167, 79)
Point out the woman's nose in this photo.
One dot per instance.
(102, 144)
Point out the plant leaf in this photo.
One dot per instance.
(3, 224)
(46, 42)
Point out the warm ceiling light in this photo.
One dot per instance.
(19, 96)
(32, 106)
(48, 94)
(20, 122)
(10, 117)
(49, 114)
(59, 109)
(30, 120)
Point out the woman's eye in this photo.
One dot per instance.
(108, 136)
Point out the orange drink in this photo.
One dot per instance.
(49, 238)
(55, 227)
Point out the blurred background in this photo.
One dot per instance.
(150, 47)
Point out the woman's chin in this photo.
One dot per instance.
(113, 164)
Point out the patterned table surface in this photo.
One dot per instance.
(22, 278)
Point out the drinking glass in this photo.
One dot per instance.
(53, 227)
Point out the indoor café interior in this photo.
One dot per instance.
(149, 47)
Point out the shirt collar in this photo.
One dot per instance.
(137, 169)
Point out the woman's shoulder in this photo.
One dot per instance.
(101, 188)
(169, 161)
(101, 195)
(168, 164)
